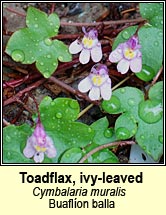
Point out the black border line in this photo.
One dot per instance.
(77, 164)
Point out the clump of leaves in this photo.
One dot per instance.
(140, 118)
(34, 43)
(150, 37)
(72, 139)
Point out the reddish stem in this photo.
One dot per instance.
(15, 83)
(71, 90)
(20, 93)
(14, 11)
(116, 22)
(104, 146)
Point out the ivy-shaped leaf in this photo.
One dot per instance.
(58, 117)
(151, 40)
(13, 137)
(103, 134)
(147, 114)
(123, 100)
(125, 126)
(34, 43)
(153, 12)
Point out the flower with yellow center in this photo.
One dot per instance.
(127, 55)
(97, 82)
(89, 46)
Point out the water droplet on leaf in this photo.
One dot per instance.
(122, 90)
(36, 25)
(108, 132)
(142, 137)
(48, 41)
(59, 115)
(73, 104)
(111, 106)
(150, 111)
(122, 133)
(8, 138)
(46, 75)
(125, 35)
(160, 138)
(156, 43)
(41, 63)
(89, 130)
(146, 74)
(131, 102)
(18, 55)
(60, 58)
(48, 56)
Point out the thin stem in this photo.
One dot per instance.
(104, 146)
(70, 89)
(91, 105)
(14, 11)
(124, 21)
(121, 82)
(157, 76)
(85, 110)
(20, 93)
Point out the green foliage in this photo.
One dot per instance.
(58, 118)
(71, 139)
(72, 155)
(151, 40)
(103, 134)
(102, 156)
(34, 44)
(13, 138)
(153, 12)
(140, 118)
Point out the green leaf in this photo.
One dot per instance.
(113, 105)
(151, 40)
(46, 26)
(147, 114)
(34, 43)
(150, 138)
(156, 91)
(150, 111)
(125, 126)
(103, 134)
(128, 99)
(13, 137)
(72, 155)
(58, 118)
(102, 156)
(153, 12)
(60, 108)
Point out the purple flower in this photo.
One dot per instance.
(98, 82)
(38, 144)
(88, 46)
(128, 55)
